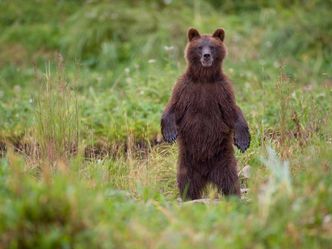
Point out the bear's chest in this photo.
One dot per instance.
(204, 100)
(203, 114)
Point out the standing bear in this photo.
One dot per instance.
(204, 118)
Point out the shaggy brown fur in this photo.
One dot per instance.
(203, 116)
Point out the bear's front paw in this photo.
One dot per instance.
(242, 138)
(168, 127)
(170, 134)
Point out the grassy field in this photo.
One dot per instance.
(82, 88)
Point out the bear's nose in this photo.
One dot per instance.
(207, 55)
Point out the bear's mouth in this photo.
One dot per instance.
(206, 62)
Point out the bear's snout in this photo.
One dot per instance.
(206, 57)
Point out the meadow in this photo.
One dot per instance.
(82, 88)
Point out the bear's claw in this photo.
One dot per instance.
(170, 135)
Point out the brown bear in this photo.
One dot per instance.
(204, 118)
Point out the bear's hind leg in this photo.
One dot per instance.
(190, 183)
(224, 176)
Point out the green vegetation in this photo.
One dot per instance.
(82, 88)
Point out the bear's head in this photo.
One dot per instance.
(205, 50)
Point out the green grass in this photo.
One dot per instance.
(84, 167)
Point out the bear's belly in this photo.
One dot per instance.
(202, 134)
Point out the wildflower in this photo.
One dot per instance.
(168, 48)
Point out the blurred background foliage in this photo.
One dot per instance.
(88, 30)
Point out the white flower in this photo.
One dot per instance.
(168, 48)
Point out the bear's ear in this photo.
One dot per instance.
(220, 34)
(193, 33)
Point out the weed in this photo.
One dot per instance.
(56, 117)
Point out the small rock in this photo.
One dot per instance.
(327, 219)
(245, 172)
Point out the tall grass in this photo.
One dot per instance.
(56, 117)
(283, 95)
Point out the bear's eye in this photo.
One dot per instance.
(211, 47)
(200, 47)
